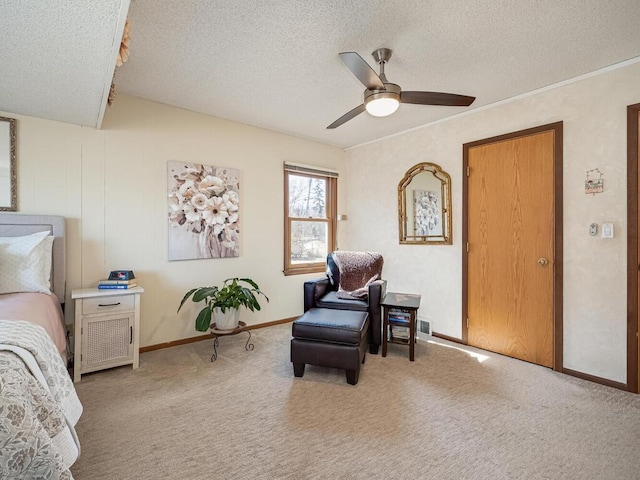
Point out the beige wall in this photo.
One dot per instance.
(111, 184)
(594, 114)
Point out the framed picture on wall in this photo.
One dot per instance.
(204, 211)
(427, 207)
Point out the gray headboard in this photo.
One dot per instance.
(17, 224)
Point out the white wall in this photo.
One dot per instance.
(594, 114)
(111, 184)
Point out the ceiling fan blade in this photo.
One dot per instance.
(436, 98)
(362, 70)
(348, 116)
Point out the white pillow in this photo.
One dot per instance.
(47, 261)
(25, 263)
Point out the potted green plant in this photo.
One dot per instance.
(223, 303)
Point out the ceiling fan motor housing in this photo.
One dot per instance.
(392, 91)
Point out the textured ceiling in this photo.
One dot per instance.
(275, 64)
(57, 57)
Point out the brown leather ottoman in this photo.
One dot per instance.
(330, 338)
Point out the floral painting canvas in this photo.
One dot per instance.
(428, 213)
(204, 209)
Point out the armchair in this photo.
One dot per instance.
(323, 293)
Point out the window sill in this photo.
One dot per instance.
(304, 269)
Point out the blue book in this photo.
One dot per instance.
(115, 287)
(399, 320)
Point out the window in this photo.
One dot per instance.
(310, 200)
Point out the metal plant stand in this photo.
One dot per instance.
(242, 327)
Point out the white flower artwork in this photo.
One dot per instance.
(428, 213)
(204, 208)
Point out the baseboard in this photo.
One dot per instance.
(207, 336)
(595, 379)
(447, 337)
(271, 324)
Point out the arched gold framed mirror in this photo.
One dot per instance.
(424, 206)
(8, 179)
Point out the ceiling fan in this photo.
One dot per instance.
(382, 98)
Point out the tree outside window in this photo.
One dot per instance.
(310, 204)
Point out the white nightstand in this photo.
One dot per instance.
(107, 327)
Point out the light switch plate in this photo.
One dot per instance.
(607, 230)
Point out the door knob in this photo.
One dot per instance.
(542, 261)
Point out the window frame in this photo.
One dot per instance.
(331, 215)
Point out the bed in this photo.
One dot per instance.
(39, 407)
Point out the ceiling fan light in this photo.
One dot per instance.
(383, 106)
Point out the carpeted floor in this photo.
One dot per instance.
(454, 413)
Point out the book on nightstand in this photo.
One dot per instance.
(111, 286)
(398, 320)
(401, 333)
(121, 275)
(117, 282)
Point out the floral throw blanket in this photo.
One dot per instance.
(39, 406)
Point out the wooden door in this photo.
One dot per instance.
(633, 248)
(633, 337)
(510, 234)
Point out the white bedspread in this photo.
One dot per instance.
(39, 407)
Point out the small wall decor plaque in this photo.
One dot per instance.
(594, 182)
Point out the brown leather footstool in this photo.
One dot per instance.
(330, 338)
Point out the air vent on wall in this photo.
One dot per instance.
(424, 326)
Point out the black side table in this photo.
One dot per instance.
(401, 310)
